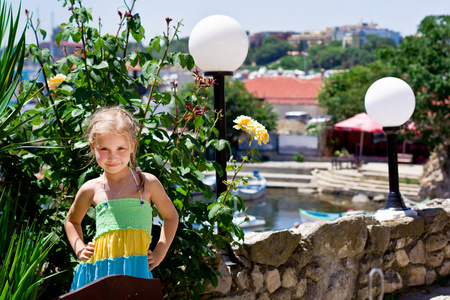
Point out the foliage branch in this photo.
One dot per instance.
(44, 179)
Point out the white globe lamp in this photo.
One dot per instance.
(218, 43)
(390, 102)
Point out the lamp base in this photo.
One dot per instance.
(392, 214)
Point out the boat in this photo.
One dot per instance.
(308, 216)
(254, 189)
(248, 222)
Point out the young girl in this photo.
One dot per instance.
(122, 199)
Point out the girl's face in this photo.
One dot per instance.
(112, 152)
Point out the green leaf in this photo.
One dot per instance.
(102, 65)
(166, 120)
(111, 45)
(220, 144)
(65, 89)
(226, 215)
(198, 121)
(44, 33)
(96, 76)
(214, 209)
(189, 61)
(58, 38)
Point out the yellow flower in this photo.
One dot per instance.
(256, 130)
(262, 136)
(55, 81)
(242, 122)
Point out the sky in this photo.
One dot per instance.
(255, 16)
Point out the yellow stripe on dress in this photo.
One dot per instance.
(121, 243)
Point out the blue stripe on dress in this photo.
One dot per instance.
(136, 265)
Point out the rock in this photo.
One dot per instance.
(360, 198)
(271, 248)
(352, 235)
(300, 257)
(435, 181)
(300, 289)
(257, 279)
(272, 279)
(339, 286)
(436, 242)
(405, 227)
(289, 278)
(435, 219)
(265, 296)
(417, 254)
(224, 285)
(363, 293)
(314, 271)
(416, 275)
(435, 259)
(379, 198)
(282, 294)
(430, 277)
(392, 281)
(368, 262)
(378, 238)
(242, 280)
(388, 260)
(447, 251)
(401, 258)
(241, 296)
(404, 242)
(444, 270)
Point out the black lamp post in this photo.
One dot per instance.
(390, 102)
(219, 46)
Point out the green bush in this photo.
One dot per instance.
(45, 160)
(298, 157)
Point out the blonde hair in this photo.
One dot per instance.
(115, 120)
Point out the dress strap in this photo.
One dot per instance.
(137, 185)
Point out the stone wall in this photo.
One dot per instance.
(332, 260)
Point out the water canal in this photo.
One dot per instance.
(280, 207)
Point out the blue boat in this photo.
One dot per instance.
(255, 187)
(308, 216)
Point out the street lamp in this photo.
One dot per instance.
(390, 102)
(219, 46)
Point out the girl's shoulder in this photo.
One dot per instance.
(150, 179)
(149, 176)
(91, 186)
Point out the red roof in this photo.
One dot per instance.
(285, 90)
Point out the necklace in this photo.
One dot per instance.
(125, 184)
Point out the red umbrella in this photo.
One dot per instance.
(360, 122)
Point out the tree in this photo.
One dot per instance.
(238, 101)
(424, 62)
(271, 50)
(374, 41)
(343, 93)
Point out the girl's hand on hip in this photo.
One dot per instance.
(154, 259)
(87, 251)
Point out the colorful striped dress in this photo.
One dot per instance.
(122, 238)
